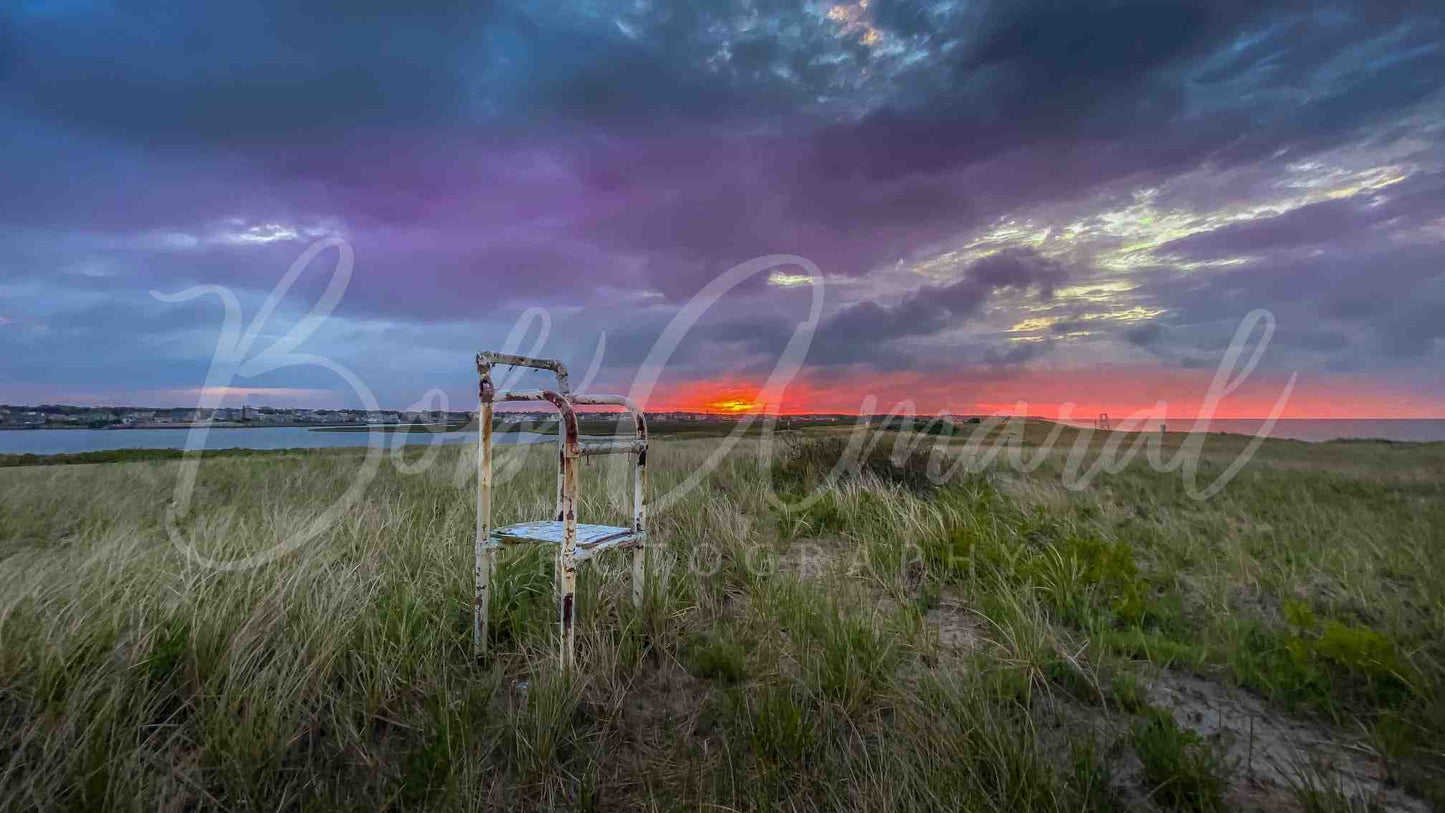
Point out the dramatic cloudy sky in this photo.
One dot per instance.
(1008, 200)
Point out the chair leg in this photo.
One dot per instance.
(639, 571)
(486, 568)
(566, 611)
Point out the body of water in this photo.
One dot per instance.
(69, 441)
(65, 441)
(1317, 429)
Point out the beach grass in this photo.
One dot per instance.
(901, 636)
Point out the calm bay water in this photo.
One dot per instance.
(58, 441)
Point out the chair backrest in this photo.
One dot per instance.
(486, 360)
(569, 440)
(571, 448)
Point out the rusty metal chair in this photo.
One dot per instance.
(575, 542)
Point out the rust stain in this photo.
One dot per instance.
(564, 531)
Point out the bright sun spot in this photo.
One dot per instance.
(733, 405)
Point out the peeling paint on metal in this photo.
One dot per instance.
(565, 531)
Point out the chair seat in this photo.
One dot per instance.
(591, 539)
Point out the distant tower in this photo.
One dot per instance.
(1103, 420)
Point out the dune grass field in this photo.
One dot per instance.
(899, 637)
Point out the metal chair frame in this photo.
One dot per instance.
(564, 531)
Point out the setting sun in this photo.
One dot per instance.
(732, 405)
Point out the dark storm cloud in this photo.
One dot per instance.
(483, 154)
(1157, 87)
(1396, 208)
(735, 340)
(862, 328)
(252, 73)
(1360, 310)
(1143, 335)
(1305, 226)
(241, 72)
(1355, 283)
(1015, 354)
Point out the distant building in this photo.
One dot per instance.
(27, 419)
(138, 416)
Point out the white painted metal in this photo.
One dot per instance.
(588, 535)
(576, 542)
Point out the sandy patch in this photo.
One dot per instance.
(959, 627)
(1270, 748)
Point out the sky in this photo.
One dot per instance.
(1048, 202)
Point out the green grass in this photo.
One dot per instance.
(592, 426)
(136, 455)
(1183, 771)
(985, 643)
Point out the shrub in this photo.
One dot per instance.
(718, 655)
(1183, 770)
(783, 726)
(807, 464)
(1128, 695)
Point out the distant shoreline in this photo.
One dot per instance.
(225, 425)
(1308, 430)
(396, 427)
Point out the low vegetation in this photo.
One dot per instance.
(870, 636)
(120, 456)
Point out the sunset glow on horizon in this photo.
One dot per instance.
(1078, 395)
